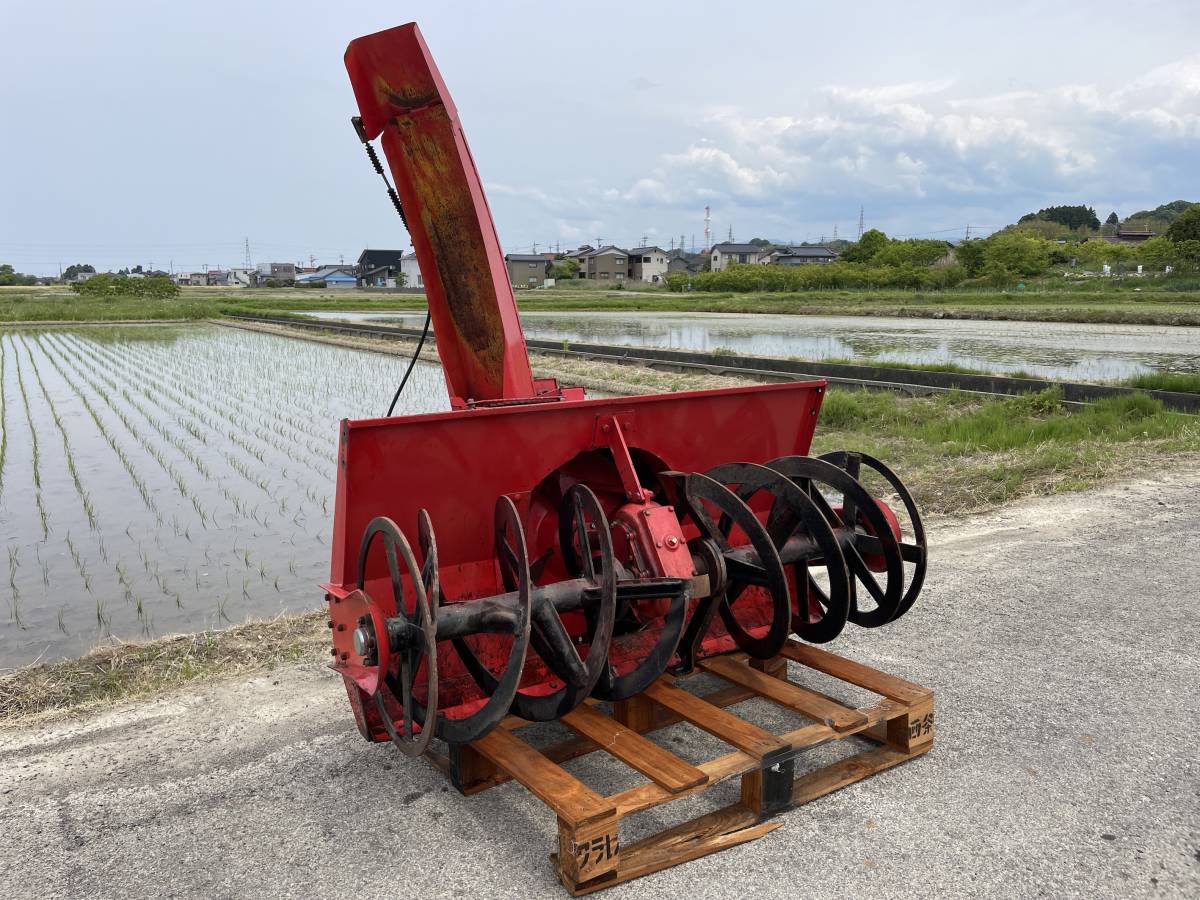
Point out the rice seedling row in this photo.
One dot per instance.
(145, 436)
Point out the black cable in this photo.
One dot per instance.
(356, 121)
(411, 363)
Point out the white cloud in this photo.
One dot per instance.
(912, 152)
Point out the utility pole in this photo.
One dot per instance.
(672, 242)
(644, 239)
(968, 237)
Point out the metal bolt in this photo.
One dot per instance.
(672, 541)
(605, 428)
(646, 513)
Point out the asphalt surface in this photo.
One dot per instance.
(1060, 637)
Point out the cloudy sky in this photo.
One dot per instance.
(168, 133)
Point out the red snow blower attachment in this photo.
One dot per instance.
(532, 550)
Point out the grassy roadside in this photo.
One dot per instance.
(125, 671)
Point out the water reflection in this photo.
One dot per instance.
(1051, 349)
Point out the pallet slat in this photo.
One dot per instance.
(806, 702)
(856, 673)
(847, 771)
(661, 766)
(737, 732)
(646, 796)
(707, 834)
(572, 800)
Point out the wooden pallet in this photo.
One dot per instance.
(590, 856)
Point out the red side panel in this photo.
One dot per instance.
(401, 96)
(457, 464)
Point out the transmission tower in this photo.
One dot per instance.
(247, 262)
(860, 223)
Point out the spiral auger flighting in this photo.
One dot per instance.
(794, 547)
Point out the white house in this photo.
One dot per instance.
(648, 264)
(412, 272)
(722, 255)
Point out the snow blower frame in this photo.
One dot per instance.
(532, 553)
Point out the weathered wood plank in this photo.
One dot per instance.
(735, 731)
(847, 771)
(572, 800)
(856, 673)
(707, 834)
(802, 700)
(661, 766)
(737, 763)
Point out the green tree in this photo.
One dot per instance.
(1155, 253)
(9, 276)
(867, 247)
(1071, 216)
(1186, 227)
(565, 269)
(997, 273)
(969, 255)
(77, 269)
(1096, 253)
(1017, 253)
(760, 242)
(1112, 219)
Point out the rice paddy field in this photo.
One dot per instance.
(157, 479)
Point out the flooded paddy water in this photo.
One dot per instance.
(156, 479)
(1058, 350)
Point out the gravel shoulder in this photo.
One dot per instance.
(1058, 634)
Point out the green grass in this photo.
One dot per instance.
(1166, 381)
(960, 453)
(124, 670)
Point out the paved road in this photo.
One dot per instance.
(1060, 637)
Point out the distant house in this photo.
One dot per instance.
(196, 279)
(527, 269)
(723, 255)
(215, 277)
(281, 273)
(411, 270)
(607, 264)
(648, 264)
(1130, 236)
(800, 256)
(580, 257)
(683, 263)
(240, 277)
(380, 268)
(330, 276)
